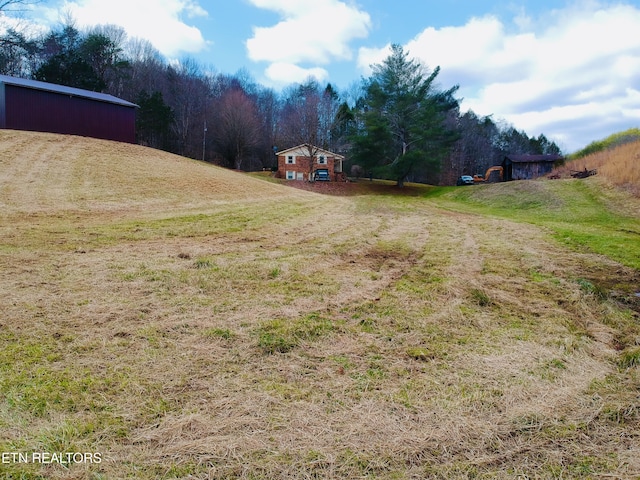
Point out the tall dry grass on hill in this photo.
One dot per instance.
(619, 166)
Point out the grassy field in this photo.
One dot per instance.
(177, 320)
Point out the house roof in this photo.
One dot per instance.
(71, 91)
(317, 149)
(532, 158)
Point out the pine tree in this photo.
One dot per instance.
(402, 119)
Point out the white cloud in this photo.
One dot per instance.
(368, 56)
(286, 73)
(158, 21)
(309, 32)
(544, 75)
(20, 24)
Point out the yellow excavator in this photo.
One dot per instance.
(487, 175)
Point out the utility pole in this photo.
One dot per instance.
(204, 140)
(275, 153)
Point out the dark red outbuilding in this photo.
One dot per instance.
(46, 107)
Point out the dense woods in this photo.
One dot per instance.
(397, 126)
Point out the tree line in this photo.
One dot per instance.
(395, 124)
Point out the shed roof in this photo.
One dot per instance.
(533, 158)
(72, 91)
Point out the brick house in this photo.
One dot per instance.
(293, 164)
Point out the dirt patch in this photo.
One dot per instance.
(362, 187)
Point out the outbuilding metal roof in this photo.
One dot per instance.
(71, 91)
(533, 158)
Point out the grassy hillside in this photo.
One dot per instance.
(618, 166)
(47, 173)
(188, 322)
(586, 214)
(611, 142)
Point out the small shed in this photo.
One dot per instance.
(527, 167)
(47, 107)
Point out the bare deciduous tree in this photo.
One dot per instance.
(307, 118)
(189, 94)
(16, 5)
(238, 129)
(18, 48)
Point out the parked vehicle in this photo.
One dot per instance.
(465, 180)
(321, 175)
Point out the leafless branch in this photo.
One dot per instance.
(16, 5)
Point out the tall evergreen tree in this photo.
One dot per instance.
(64, 63)
(402, 119)
(153, 120)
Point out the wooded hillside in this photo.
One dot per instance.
(232, 121)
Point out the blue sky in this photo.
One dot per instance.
(568, 69)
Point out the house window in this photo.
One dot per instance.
(291, 175)
(290, 160)
(322, 160)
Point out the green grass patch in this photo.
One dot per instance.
(422, 353)
(480, 297)
(223, 333)
(83, 234)
(630, 358)
(282, 335)
(204, 263)
(575, 211)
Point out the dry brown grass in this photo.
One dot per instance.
(71, 174)
(190, 322)
(619, 166)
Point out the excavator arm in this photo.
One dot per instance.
(485, 178)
